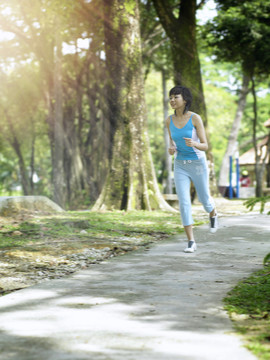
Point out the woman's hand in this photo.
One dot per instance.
(172, 148)
(190, 142)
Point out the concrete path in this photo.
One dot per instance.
(147, 305)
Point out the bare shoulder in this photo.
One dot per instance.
(196, 120)
(168, 120)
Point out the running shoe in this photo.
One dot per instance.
(213, 223)
(191, 247)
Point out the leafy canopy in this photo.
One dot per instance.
(241, 33)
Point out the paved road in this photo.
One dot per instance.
(147, 305)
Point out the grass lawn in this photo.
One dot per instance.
(141, 226)
(35, 247)
(249, 307)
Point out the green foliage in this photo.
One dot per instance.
(129, 7)
(27, 63)
(27, 89)
(155, 118)
(263, 114)
(241, 33)
(266, 260)
(222, 81)
(221, 107)
(8, 177)
(220, 101)
(251, 296)
(249, 307)
(250, 203)
(156, 47)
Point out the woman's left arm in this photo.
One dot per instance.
(198, 124)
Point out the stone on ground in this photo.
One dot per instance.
(12, 205)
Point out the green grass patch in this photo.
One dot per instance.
(142, 225)
(249, 307)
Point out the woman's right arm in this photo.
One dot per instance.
(172, 148)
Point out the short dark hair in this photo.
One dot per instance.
(186, 94)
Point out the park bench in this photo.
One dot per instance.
(171, 199)
(266, 191)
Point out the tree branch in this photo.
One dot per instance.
(151, 50)
(201, 3)
(6, 26)
(152, 33)
(165, 14)
(249, 141)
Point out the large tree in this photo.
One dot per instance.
(156, 55)
(178, 18)
(72, 88)
(232, 145)
(131, 181)
(241, 33)
(38, 32)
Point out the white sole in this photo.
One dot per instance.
(191, 250)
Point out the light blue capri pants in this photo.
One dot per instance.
(197, 171)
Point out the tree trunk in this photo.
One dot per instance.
(131, 182)
(187, 71)
(73, 165)
(58, 153)
(258, 167)
(232, 141)
(168, 157)
(181, 31)
(32, 161)
(268, 163)
(17, 148)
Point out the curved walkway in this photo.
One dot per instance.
(152, 304)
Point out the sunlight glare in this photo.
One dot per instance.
(6, 11)
(207, 12)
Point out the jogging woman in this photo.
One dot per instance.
(188, 142)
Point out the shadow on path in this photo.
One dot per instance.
(154, 304)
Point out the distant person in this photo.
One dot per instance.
(244, 179)
(188, 142)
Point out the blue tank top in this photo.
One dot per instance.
(185, 152)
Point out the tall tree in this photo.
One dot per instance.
(58, 128)
(223, 181)
(19, 99)
(75, 110)
(168, 157)
(156, 55)
(246, 41)
(39, 40)
(131, 181)
(179, 21)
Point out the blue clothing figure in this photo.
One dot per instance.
(188, 144)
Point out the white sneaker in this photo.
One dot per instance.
(191, 247)
(213, 223)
